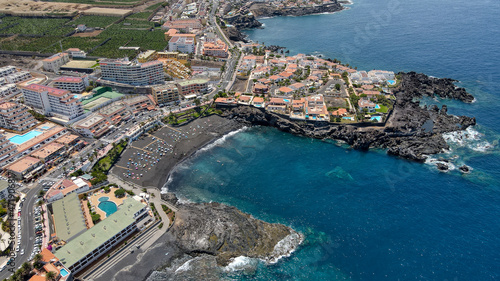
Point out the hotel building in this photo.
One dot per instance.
(15, 117)
(127, 72)
(52, 100)
(7, 149)
(73, 84)
(218, 49)
(185, 43)
(92, 244)
(139, 103)
(193, 86)
(115, 113)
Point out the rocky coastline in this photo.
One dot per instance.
(412, 131)
(248, 17)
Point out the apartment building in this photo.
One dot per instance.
(15, 117)
(6, 70)
(147, 56)
(165, 94)
(92, 126)
(73, 84)
(193, 86)
(76, 53)
(139, 103)
(25, 168)
(182, 43)
(7, 149)
(17, 77)
(9, 90)
(133, 73)
(60, 103)
(185, 25)
(217, 49)
(54, 62)
(115, 113)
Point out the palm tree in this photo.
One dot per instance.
(50, 276)
(25, 268)
(37, 258)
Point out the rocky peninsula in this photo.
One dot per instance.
(412, 131)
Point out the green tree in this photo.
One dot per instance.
(337, 87)
(119, 193)
(50, 276)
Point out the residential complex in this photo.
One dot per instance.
(60, 103)
(54, 62)
(216, 49)
(15, 117)
(184, 43)
(193, 86)
(93, 126)
(73, 84)
(166, 94)
(186, 25)
(133, 73)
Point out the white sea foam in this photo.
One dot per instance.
(469, 138)
(285, 247)
(241, 263)
(185, 266)
(222, 139)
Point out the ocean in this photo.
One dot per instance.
(367, 215)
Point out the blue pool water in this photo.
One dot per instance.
(377, 106)
(378, 118)
(45, 127)
(20, 139)
(64, 272)
(285, 100)
(102, 199)
(108, 207)
(391, 82)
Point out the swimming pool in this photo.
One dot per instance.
(64, 272)
(378, 118)
(45, 127)
(20, 139)
(377, 106)
(285, 100)
(109, 207)
(391, 82)
(102, 199)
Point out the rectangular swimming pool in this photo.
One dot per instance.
(64, 272)
(20, 139)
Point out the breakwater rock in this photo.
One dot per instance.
(260, 10)
(412, 131)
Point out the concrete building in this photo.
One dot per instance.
(87, 247)
(7, 149)
(139, 103)
(166, 94)
(73, 84)
(7, 91)
(25, 168)
(69, 220)
(218, 49)
(182, 43)
(76, 53)
(4, 189)
(185, 25)
(6, 70)
(147, 56)
(60, 103)
(115, 113)
(17, 77)
(50, 153)
(193, 86)
(133, 73)
(92, 126)
(54, 62)
(15, 117)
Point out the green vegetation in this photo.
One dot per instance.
(154, 6)
(3, 207)
(142, 15)
(23, 273)
(53, 31)
(38, 116)
(104, 2)
(382, 109)
(160, 225)
(95, 217)
(119, 193)
(102, 167)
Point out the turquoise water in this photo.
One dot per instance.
(378, 118)
(108, 207)
(64, 272)
(102, 199)
(366, 215)
(391, 82)
(377, 106)
(45, 127)
(20, 139)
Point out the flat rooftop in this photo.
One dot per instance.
(68, 217)
(107, 12)
(23, 164)
(86, 242)
(80, 64)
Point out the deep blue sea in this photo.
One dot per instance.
(366, 215)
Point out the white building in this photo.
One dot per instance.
(15, 117)
(75, 52)
(6, 70)
(133, 73)
(53, 63)
(182, 44)
(17, 77)
(73, 84)
(61, 103)
(92, 126)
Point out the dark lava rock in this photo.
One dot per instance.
(464, 169)
(225, 232)
(442, 167)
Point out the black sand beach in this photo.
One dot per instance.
(149, 160)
